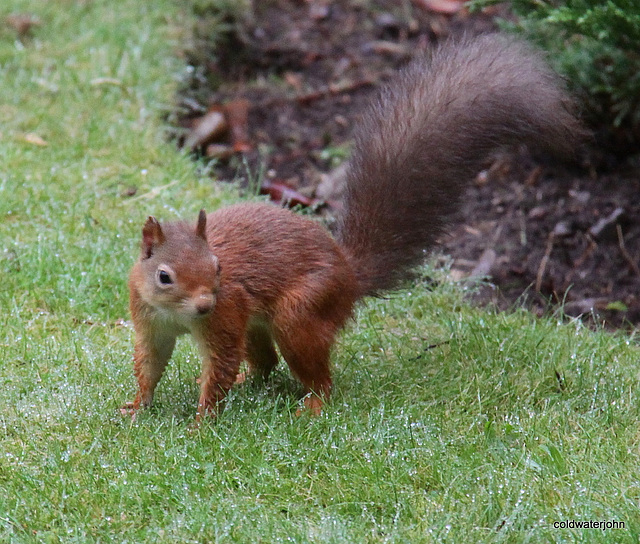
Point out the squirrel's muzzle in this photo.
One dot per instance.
(204, 303)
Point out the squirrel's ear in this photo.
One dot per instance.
(201, 227)
(152, 236)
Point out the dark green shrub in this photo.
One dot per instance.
(596, 45)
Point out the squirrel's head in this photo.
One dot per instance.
(181, 274)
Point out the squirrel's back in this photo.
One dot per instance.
(426, 135)
(272, 251)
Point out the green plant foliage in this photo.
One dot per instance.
(596, 45)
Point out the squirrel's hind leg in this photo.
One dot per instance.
(309, 361)
(305, 325)
(306, 345)
(261, 353)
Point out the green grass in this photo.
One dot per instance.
(511, 424)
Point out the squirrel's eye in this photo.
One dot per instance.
(164, 278)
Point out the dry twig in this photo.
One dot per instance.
(630, 261)
(545, 261)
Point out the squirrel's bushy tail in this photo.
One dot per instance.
(428, 133)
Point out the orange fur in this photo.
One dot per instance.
(281, 278)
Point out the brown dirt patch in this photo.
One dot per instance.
(560, 236)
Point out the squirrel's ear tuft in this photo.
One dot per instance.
(152, 236)
(201, 227)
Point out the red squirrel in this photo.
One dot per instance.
(250, 276)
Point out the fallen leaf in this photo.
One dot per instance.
(96, 82)
(618, 306)
(484, 264)
(385, 47)
(34, 139)
(584, 306)
(345, 86)
(605, 226)
(219, 151)
(482, 178)
(129, 191)
(283, 194)
(22, 23)
(534, 177)
(237, 114)
(538, 212)
(333, 184)
(448, 7)
(319, 11)
(211, 126)
(153, 192)
(294, 80)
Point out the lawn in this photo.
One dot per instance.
(448, 423)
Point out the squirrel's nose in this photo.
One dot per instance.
(204, 304)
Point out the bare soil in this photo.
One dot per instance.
(545, 235)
